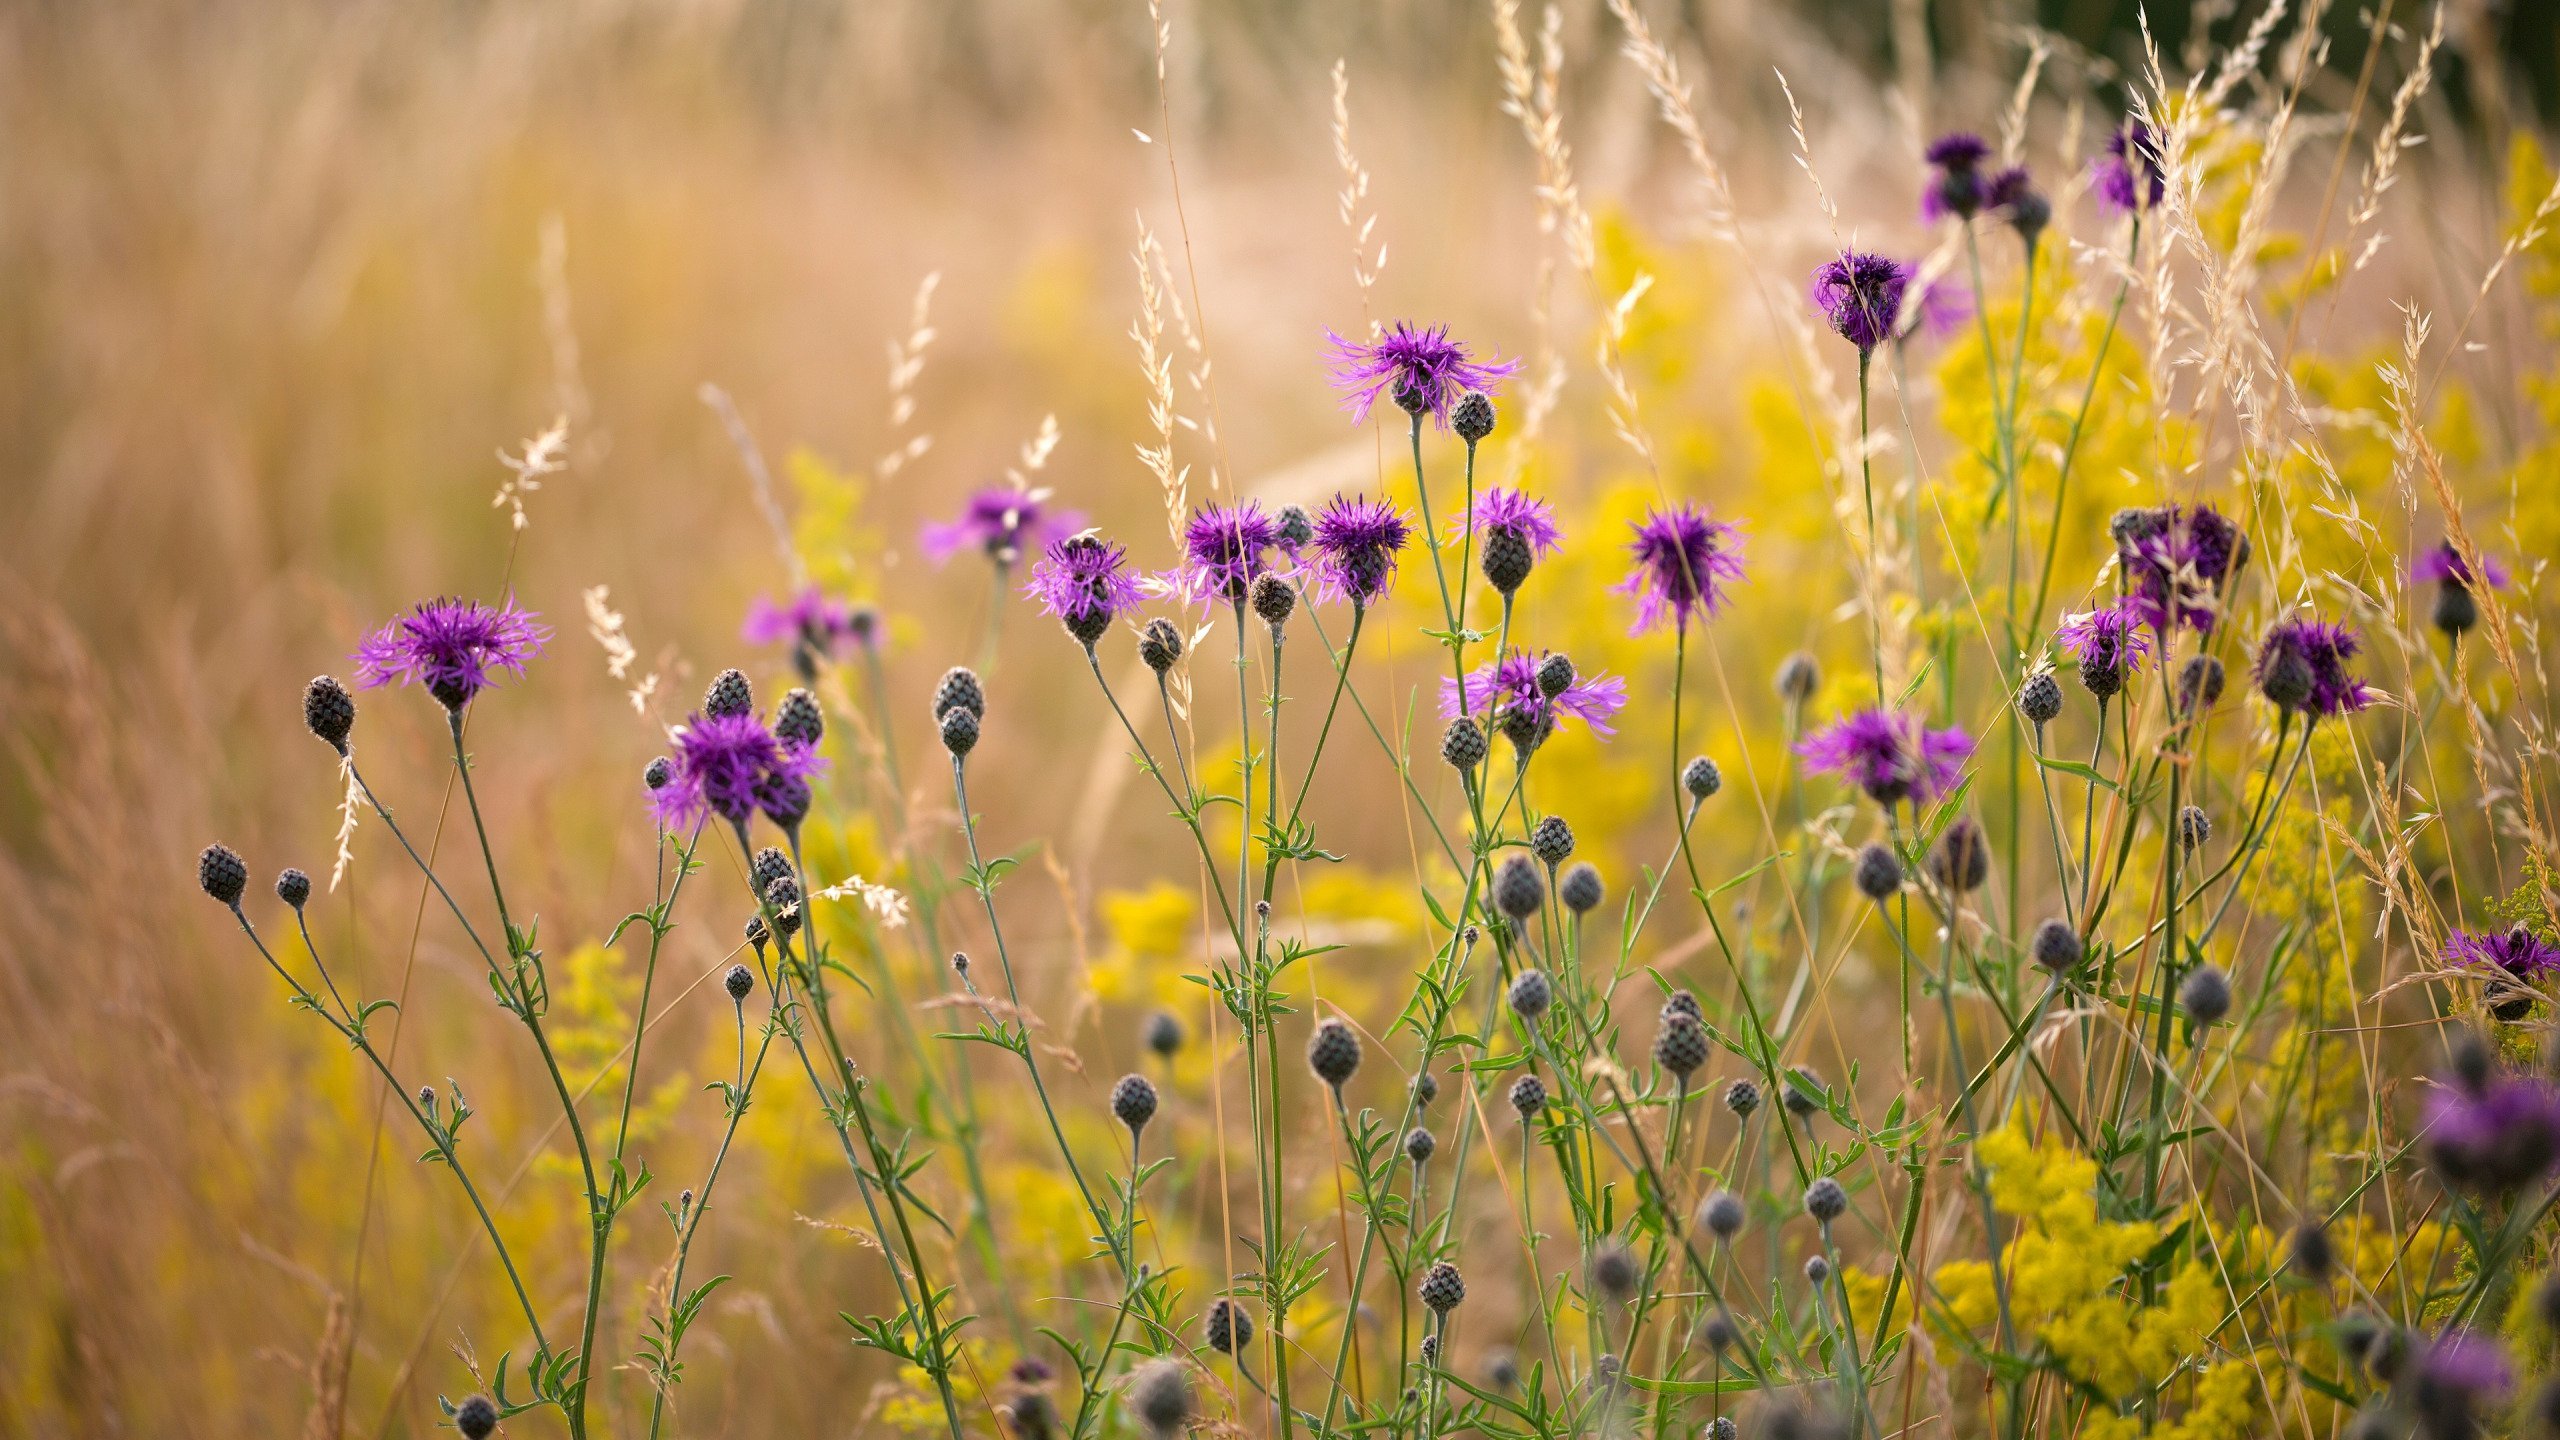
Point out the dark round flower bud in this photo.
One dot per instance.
(798, 720)
(1034, 1418)
(1463, 744)
(1160, 645)
(2040, 699)
(293, 888)
(1442, 1287)
(1701, 778)
(1507, 560)
(1803, 1097)
(658, 773)
(1879, 872)
(1333, 1052)
(757, 935)
(2546, 1301)
(1680, 1046)
(1817, 1269)
(329, 710)
(2102, 676)
(222, 873)
(1473, 417)
(2028, 213)
(1503, 1369)
(2310, 1253)
(1719, 1331)
(2285, 679)
(1229, 1326)
(1531, 994)
(1273, 600)
(1518, 888)
(769, 865)
(959, 690)
(784, 896)
(1526, 727)
(2205, 996)
(2200, 683)
(1163, 1034)
(2456, 611)
(1799, 675)
(740, 983)
(959, 730)
(1683, 1002)
(1296, 527)
(1722, 1428)
(2472, 1061)
(1133, 1101)
(1723, 1213)
(1614, 1272)
(730, 694)
(960, 963)
(1555, 675)
(476, 1418)
(2056, 946)
(786, 800)
(1825, 1201)
(1430, 1350)
(1528, 1095)
(1581, 890)
(1552, 840)
(1419, 1143)
(2194, 828)
(1161, 1394)
(1742, 1097)
(1961, 860)
(1426, 1088)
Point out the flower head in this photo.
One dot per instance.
(1502, 510)
(1222, 551)
(812, 622)
(2517, 952)
(2302, 665)
(2108, 642)
(2459, 1375)
(453, 647)
(1510, 686)
(1084, 581)
(1356, 542)
(2013, 196)
(2445, 565)
(2176, 560)
(1684, 564)
(731, 766)
(1419, 368)
(1892, 757)
(2130, 178)
(1003, 521)
(1861, 295)
(1957, 189)
(2497, 1136)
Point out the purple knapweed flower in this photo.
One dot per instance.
(1956, 190)
(2302, 665)
(2445, 565)
(1509, 686)
(1892, 757)
(1861, 295)
(1504, 511)
(2497, 1135)
(1419, 368)
(2012, 195)
(1223, 550)
(1003, 521)
(1084, 581)
(2108, 642)
(1684, 564)
(2176, 560)
(812, 619)
(2517, 952)
(455, 648)
(2130, 178)
(2458, 1376)
(1941, 307)
(1356, 542)
(732, 766)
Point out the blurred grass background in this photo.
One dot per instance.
(279, 281)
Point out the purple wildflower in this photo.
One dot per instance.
(731, 766)
(1890, 756)
(1861, 295)
(810, 619)
(1356, 543)
(1003, 521)
(453, 647)
(1684, 564)
(2176, 560)
(1084, 581)
(1508, 512)
(2013, 196)
(1510, 686)
(2445, 566)
(2459, 1375)
(1223, 551)
(1943, 305)
(2109, 644)
(2497, 1135)
(2130, 178)
(1418, 367)
(2519, 952)
(2302, 665)
(1957, 189)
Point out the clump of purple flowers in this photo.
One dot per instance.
(731, 765)
(2302, 666)
(1684, 564)
(2109, 644)
(1003, 521)
(1222, 551)
(2013, 196)
(2176, 561)
(1892, 757)
(455, 648)
(1861, 295)
(1356, 541)
(815, 626)
(1084, 581)
(1418, 367)
(1508, 691)
(1956, 190)
(2130, 177)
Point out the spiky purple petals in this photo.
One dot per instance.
(1417, 367)
(1356, 543)
(1892, 757)
(455, 648)
(731, 766)
(1861, 295)
(1511, 685)
(1684, 564)
(1003, 521)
